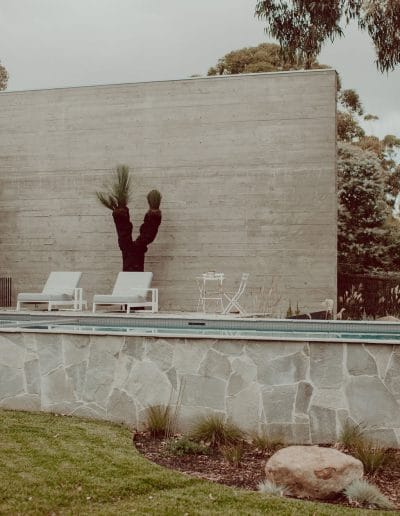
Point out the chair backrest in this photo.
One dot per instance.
(243, 283)
(128, 280)
(62, 283)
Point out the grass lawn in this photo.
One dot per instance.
(64, 465)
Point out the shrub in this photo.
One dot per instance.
(159, 420)
(233, 453)
(213, 430)
(270, 488)
(367, 495)
(351, 434)
(371, 455)
(263, 442)
(185, 446)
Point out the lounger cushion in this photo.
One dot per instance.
(62, 281)
(42, 298)
(118, 300)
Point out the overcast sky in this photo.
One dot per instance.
(56, 43)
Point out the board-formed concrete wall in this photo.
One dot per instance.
(246, 165)
(301, 391)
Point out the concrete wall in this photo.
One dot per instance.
(246, 165)
(299, 390)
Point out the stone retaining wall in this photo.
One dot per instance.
(302, 391)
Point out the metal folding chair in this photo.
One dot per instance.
(233, 301)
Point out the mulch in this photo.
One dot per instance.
(250, 472)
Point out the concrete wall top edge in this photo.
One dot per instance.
(318, 71)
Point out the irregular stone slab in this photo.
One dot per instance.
(134, 347)
(235, 384)
(148, 385)
(359, 361)
(303, 397)
(289, 433)
(261, 353)
(21, 402)
(383, 436)
(100, 370)
(283, 370)
(12, 381)
(323, 425)
(278, 403)
(75, 348)
(121, 408)
(188, 355)
(381, 354)
(32, 376)
(12, 351)
(392, 378)
(371, 402)
(56, 388)
(202, 391)
(76, 374)
(330, 398)
(312, 471)
(160, 352)
(215, 364)
(49, 349)
(230, 347)
(326, 364)
(245, 367)
(245, 408)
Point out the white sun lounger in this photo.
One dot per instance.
(133, 290)
(61, 288)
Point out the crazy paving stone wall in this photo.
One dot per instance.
(301, 391)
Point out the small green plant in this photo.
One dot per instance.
(367, 495)
(351, 434)
(297, 311)
(158, 420)
(154, 199)
(185, 446)
(119, 189)
(233, 453)
(263, 442)
(371, 455)
(270, 488)
(213, 430)
(289, 311)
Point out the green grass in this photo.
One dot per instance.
(65, 465)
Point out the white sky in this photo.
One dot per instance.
(56, 43)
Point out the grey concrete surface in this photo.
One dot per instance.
(246, 166)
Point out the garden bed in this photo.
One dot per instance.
(250, 472)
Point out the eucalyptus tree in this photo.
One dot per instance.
(3, 77)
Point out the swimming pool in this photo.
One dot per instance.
(202, 327)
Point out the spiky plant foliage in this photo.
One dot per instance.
(119, 189)
(367, 495)
(213, 430)
(185, 446)
(270, 488)
(265, 443)
(371, 455)
(351, 434)
(154, 199)
(158, 420)
(233, 453)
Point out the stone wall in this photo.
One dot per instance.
(246, 165)
(302, 391)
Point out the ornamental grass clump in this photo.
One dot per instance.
(352, 434)
(233, 453)
(185, 446)
(362, 493)
(119, 189)
(371, 455)
(159, 420)
(215, 432)
(270, 488)
(264, 443)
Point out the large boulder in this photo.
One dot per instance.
(312, 471)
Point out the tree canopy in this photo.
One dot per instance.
(302, 26)
(3, 77)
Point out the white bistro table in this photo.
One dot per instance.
(210, 288)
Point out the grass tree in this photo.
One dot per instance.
(116, 198)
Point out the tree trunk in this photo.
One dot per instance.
(133, 251)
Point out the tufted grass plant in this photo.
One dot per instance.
(352, 434)
(270, 488)
(118, 191)
(364, 494)
(371, 455)
(265, 443)
(159, 420)
(214, 431)
(233, 453)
